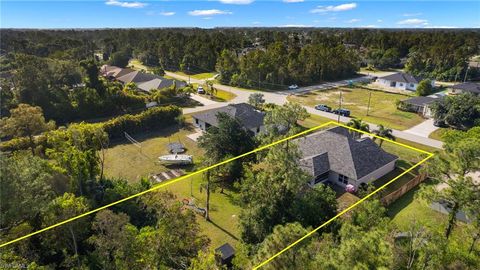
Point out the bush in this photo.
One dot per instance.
(424, 88)
(149, 120)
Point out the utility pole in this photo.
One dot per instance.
(339, 105)
(188, 69)
(369, 97)
(466, 72)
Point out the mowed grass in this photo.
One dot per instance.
(224, 209)
(437, 134)
(198, 76)
(382, 110)
(314, 120)
(409, 211)
(220, 95)
(125, 160)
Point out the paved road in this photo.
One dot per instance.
(327, 85)
(280, 98)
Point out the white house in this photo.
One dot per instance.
(247, 115)
(402, 81)
(334, 155)
(421, 105)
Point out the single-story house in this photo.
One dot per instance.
(114, 72)
(334, 155)
(419, 105)
(144, 81)
(249, 117)
(400, 80)
(467, 87)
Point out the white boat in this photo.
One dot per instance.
(176, 159)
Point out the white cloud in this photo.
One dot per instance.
(208, 12)
(379, 20)
(368, 26)
(126, 4)
(412, 14)
(353, 20)
(413, 22)
(170, 13)
(237, 2)
(294, 25)
(293, 1)
(442, 26)
(342, 7)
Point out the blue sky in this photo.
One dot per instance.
(240, 13)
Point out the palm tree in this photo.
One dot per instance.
(384, 133)
(359, 125)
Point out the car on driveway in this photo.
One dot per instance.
(323, 107)
(342, 112)
(200, 90)
(293, 87)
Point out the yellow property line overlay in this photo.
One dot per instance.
(232, 159)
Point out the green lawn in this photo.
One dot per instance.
(409, 210)
(224, 210)
(198, 76)
(137, 65)
(313, 121)
(125, 160)
(382, 110)
(220, 96)
(437, 134)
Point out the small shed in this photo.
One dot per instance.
(225, 254)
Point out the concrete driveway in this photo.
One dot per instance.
(423, 129)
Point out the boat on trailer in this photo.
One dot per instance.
(176, 159)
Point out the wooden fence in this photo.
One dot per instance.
(392, 197)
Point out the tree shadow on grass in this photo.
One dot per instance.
(225, 231)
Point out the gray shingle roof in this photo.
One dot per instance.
(420, 101)
(468, 87)
(347, 156)
(316, 165)
(159, 83)
(402, 77)
(248, 116)
(136, 77)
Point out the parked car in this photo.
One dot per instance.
(342, 112)
(292, 87)
(323, 107)
(439, 123)
(200, 90)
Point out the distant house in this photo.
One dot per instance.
(144, 81)
(402, 81)
(334, 155)
(247, 115)
(467, 87)
(420, 105)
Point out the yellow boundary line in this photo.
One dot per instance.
(232, 159)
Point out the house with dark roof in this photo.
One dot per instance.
(467, 87)
(420, 105)
(334, 155)
(402, 81)
(250, 118)
(144, 81)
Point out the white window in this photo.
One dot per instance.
(342, 179)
